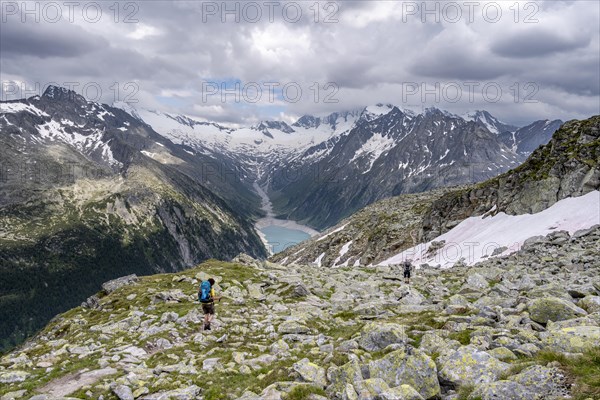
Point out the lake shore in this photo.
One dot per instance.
(270, 220)
(285, 223)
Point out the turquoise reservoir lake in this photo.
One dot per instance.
(280, 238)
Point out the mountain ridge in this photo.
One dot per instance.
(90, 193)
(567, 166)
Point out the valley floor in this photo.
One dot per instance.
(522, 326)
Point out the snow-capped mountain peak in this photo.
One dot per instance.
(492, 123)
(373, 112)
(265, 126)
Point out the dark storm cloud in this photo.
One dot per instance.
(536, 43)
(47, 40)
(455, 63)
(369, 53)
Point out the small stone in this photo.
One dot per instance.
(169, 317)
(210, 363)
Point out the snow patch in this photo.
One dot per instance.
(18, 107)
(319, 259)
(373, 148)
(341, 228)
(476, 238)
(343, 251)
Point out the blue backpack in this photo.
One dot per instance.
(204, 292)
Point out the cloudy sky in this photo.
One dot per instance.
(240, 62)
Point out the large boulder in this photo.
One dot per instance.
(310, 372)
(402, 392)
(377, 336)
(115, 284)
(342, 376)
(292, 327)
(13, 376)
(574, 339)
(432, 343)
(590, 303)
(547, 383)
(505, 390)
(123, 392)
(470, 366)
(255, 291)
(553, 309)
(300, 290)
(410, 296)
(409, 367)
(370, 389)
(476, 282)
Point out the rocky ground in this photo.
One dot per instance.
(526, 326)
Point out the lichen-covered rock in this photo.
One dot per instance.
(248, 395)
(502, 354)
(470, 366)
(13, 376)
(407, 366)
(370, 389)
(590, 303)
(292, 327)
(553, 309)
(502, 390)
(547, 383)
(349, 393)
(115, 284)
(377, 336)
(184, 393)
(123, 392)
(410, 296)
(300, 290)
(433, 343)
(575, 339)
(477, 282)
(340, 377)
(402, 392)
(310, 372)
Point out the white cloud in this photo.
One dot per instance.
(143, 31)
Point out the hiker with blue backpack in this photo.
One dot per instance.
(206, 296)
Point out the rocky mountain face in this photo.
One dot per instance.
(567, 166)
(319, 170)
(89, 193)
(492, 123)
(499, 330)
(528, 138)
(388, 152)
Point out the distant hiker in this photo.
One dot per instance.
(206, 296)
(407, 266)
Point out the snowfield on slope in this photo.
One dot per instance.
(203, 136)
(476, 238)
